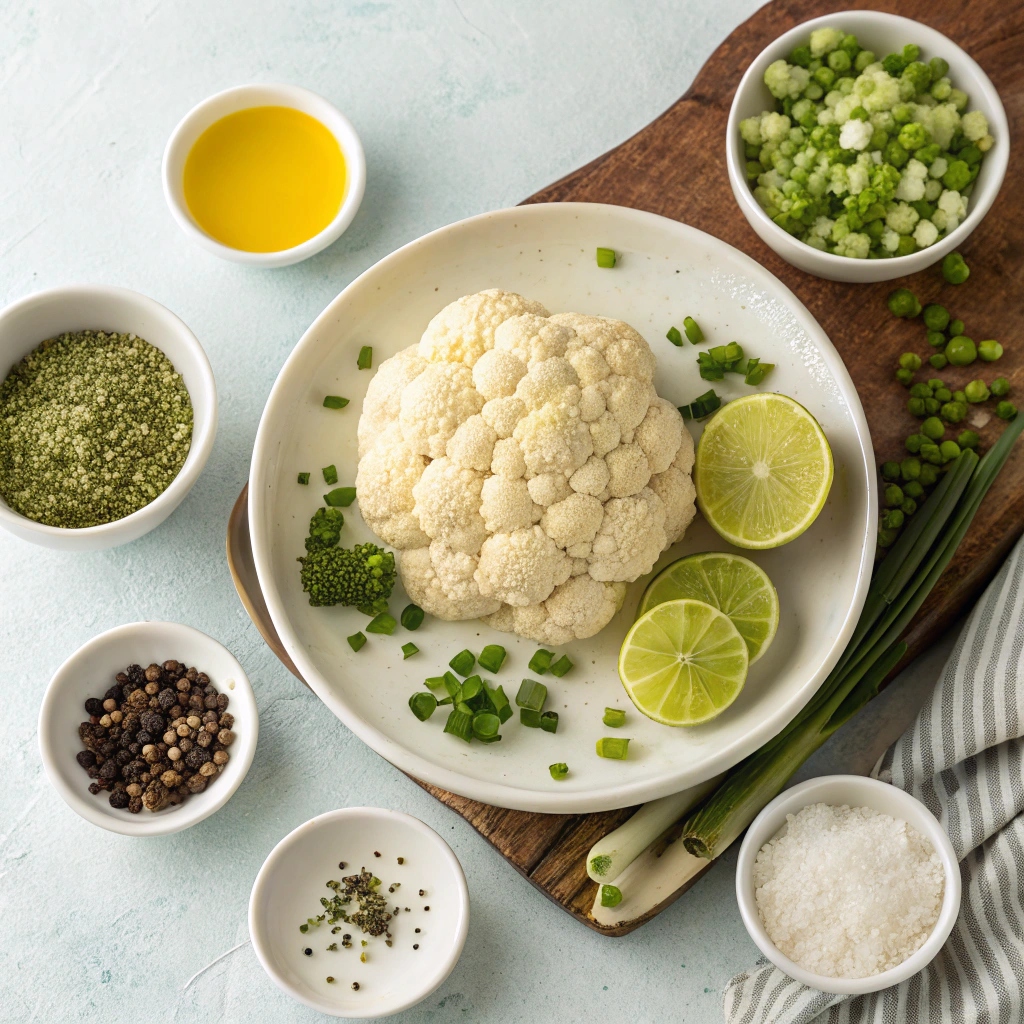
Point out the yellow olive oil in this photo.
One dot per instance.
(264, 179)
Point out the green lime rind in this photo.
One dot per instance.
(732, 584)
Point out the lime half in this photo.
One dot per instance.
(683, 662)
(732, 584)
(763, 471)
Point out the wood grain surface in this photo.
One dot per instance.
(676, 167)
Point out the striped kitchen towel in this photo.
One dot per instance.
(964, 758)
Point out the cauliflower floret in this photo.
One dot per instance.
(942, 121)
(974, 125)
(660, 434)
(448, 500)
(554, 439)
(775, 127)
(385, 480)
(883, 96)
(507, 459)
(582, 607)
(624, 350)
(855, 244)
(383, 396)
(435, 404)
(506, 505)
(925, 233)
(631, 537)
(441, 582)
(628, 470)
(786, 80)
(497, 373)
(750, 131)
(954, 206)
(911, 186)
(573, 522)
(548, 488)
(825, 40)
(521, 567)
(938, 167)
(678, 495)
(533, 339)
(901, 218)
(472, 445)
(890, 240)
(464, 330)
(855, 135)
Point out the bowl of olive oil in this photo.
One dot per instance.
(266, 175)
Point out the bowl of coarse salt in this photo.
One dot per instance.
(847, 884)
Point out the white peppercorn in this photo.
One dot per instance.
(226, 736)
(220, 757)
(174, 753)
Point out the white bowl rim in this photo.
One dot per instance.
(999, 155)
(202, 441)
(289, 96)
(199, 806)
(802, 795)
(263, 881)
(510, 795)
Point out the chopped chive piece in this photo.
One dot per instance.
(473, 692)
(703, 405)
(485, 725)
(614, 718)
(303, 478)
(558, 770)
(330, 474)
(674, 336)
(529, 718)
(408, 650)
(560, 667)
(335, 402)
(709, 369)
(340, 497)
(692, 330)
(757, 373)
(365, 359)
(532, 695)
(500, 703)
(611, 896)
(463, 662)
(412, 616)
(452, 685)
(423, 705)
(436, 684)
(605, 258)
(383, 623)
(492, 657)
(613, 747)
(460, 722)
(549, 721)
(540, 661)
(356, 641)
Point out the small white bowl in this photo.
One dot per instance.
(242, 97)
(288, 888)
(882, 34)
(90, 671)
(34, 319)
(855, 791)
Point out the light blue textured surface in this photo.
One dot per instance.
(463, 106)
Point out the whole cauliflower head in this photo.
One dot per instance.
(523, 466)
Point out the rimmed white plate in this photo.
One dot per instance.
(666, 271)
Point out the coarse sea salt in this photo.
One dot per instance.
(848, 892)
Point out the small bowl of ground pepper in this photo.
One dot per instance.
(148, 728)
(108, 411)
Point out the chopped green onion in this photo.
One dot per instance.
(549, 721)
(701, 406)
(412, 616)
(335, 402)
(500, 703)
(605, 258)
(383, 623)
(692, 330)
(492, 657)
(473, 693)
(540, 662)
(560, 667)
(463, 662)
(330, 474)
(340, 497)
(408, 650)
(452, 685)
(460, 722)
(436, 684)
(757, 373)
(532, 695)
(365, 358)
(610, 896)
(709, 369)
(423, 705)
(613, 747)
(485, 725)
(674, 336)
(614, 718)
(356, 641)
(558, 770)
(529, 718)
(303, 478)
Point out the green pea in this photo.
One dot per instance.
(943, 395)
(892, 519)
(890, 471)
(921, 390)
(969, 439)
(954, 269)
(913, 444)
(939, 360)
(960, 396)
(930, 454)
(953, 412)
(976, 391)
(839, 60)
(903, 302)
(1000, 387)
(904, 376)
(949, 450)
(961, 351)
(956, 327)
(936, 339)
(936, 317)
(933, 428)
(931, 406)
(893, 495)
(928, 476)
(863, 59)
(887, 537)
(989, 350)
(916, 406)
(935, 382)
(1006, 410)
(910, 361)
(909, 506)
(913, 489)
(910, 468)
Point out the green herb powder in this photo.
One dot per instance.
(93, 426)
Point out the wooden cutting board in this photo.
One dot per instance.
(676, 167)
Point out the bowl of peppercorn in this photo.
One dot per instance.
(148, 728)
(108, 413)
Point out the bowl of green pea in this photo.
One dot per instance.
(863, 146)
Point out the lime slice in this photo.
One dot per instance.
(763, 471)
(730, 583)
(683, 662)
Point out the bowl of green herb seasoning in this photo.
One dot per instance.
(108, 413)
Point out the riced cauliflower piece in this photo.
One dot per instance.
(911, 186)
(523, 464)
(925, 233)
(974, 125)
(954, 206)
(855, 135)
(825, 40)
(786, 80)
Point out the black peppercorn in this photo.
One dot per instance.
(108, 748)
(197, 757)
(167, 699)
(86, 758)
(308, 951)
(109, 770)
(114, 693)
(142, 737)
(155, 724)
(119, 799)
(94, 706)
(121, 758)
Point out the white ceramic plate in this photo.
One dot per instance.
(666, 271)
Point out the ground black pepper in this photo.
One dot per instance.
(144, 743)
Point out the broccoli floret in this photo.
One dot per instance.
(362, 576)
(325, 528)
